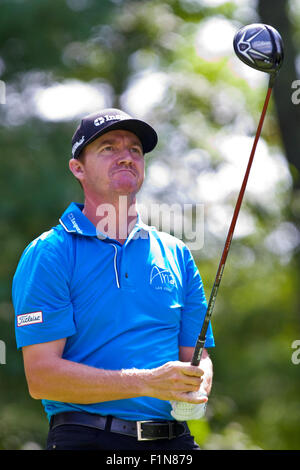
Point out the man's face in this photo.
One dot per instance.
(113, 164)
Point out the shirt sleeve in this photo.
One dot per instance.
(41, 296)
(195, 307)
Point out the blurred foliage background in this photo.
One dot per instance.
(171, 63)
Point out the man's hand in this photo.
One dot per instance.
(184, 411)
(174, 381)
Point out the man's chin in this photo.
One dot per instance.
(126, 191)
(126, 188)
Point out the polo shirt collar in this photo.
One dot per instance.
(74, 221)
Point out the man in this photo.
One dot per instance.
(108, 309)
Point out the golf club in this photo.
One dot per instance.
(259, 46)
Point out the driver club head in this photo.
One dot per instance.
(260, 46)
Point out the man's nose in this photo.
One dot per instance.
(125, 157)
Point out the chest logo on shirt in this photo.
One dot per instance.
(162, 279)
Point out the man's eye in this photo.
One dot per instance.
(107, 148)
(137, 150)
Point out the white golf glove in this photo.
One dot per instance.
(182, 411)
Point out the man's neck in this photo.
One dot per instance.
(115, 218)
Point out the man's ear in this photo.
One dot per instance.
(76, 168)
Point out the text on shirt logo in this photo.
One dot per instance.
(74, 223)
(29, 318)
(162, 279)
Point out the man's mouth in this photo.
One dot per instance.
(125, 169)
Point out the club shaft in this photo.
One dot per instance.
(202, 336)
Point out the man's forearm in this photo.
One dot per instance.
(66, 381)
(71, 382)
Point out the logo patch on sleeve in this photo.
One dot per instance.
(29, 318)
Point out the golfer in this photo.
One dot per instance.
(108, 309)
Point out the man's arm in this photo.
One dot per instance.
(186, 354)
(51, 377)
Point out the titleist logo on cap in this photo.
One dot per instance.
(109, 117)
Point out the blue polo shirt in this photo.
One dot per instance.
(119, 306)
